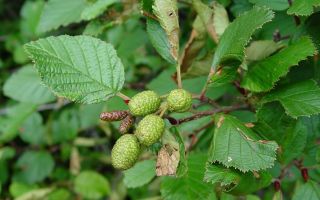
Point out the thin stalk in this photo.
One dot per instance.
(205, 87)
(179, 75)
(123, 96)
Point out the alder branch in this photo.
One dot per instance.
(199, 115)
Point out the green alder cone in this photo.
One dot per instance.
(179, 100)
(125, 152)
(144, 103)
(150, 129)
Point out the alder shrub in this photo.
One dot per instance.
(160, 99)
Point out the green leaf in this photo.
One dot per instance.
(263, 75)
(91, 185)
(235, 145)
(65, 127)
(59, 194)
(293, 142)
(25, 86)
(159, 40)
(300, 99)
(30, 16)
(166, 12)
(308, 190)
(261, 49)
(81, 68)
(216, 173)
(33, 166)
(235, 182)
(140, 174)
(97, 8)
(10, 124)
(273, 4)
(191, 186)
(214, 20)
(249, 183)
(223, 76)
(289, 133)
(32, 130)
(183, 165)
(58, 13)
(238, 34)
(7, 153)
(17, 189)
(302, 7)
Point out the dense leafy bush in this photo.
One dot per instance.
(160, 99)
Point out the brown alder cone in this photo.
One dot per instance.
(114, 115)
(126, 124)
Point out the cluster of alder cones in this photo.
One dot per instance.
(149, 129)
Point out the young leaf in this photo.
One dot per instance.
(223, 76)
(263, 75)
(303, 7)
(195, 44)
(91, 185)
(309, 190)
(25, 86)
(214, 20)
(34, 166)
(58, 13)
(167, 14)
(261, 49)
(237, 35)
(81, 68)
(159, 40)
(235, 145)
(190, 186)
(140, 174)
(300, 99)
(97, 8)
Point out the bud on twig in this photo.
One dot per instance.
(113, 116)
(277, 185)
(305, 174)
(126, 124)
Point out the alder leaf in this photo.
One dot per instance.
(81, 68)
(159, 40)
(183, 165)
(263, 75)
(273, 4)
(235, 145)
(261, 49)
(238, 34)
(167, 14)
(303, 7)
(58, 13)
(191, 186)
(140, 174)
(14, 118)
(308, 190)
(25, 86)
(214, 20)
(234, 181)
(97, 8)
(300, 99)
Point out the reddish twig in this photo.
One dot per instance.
(199, 115)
